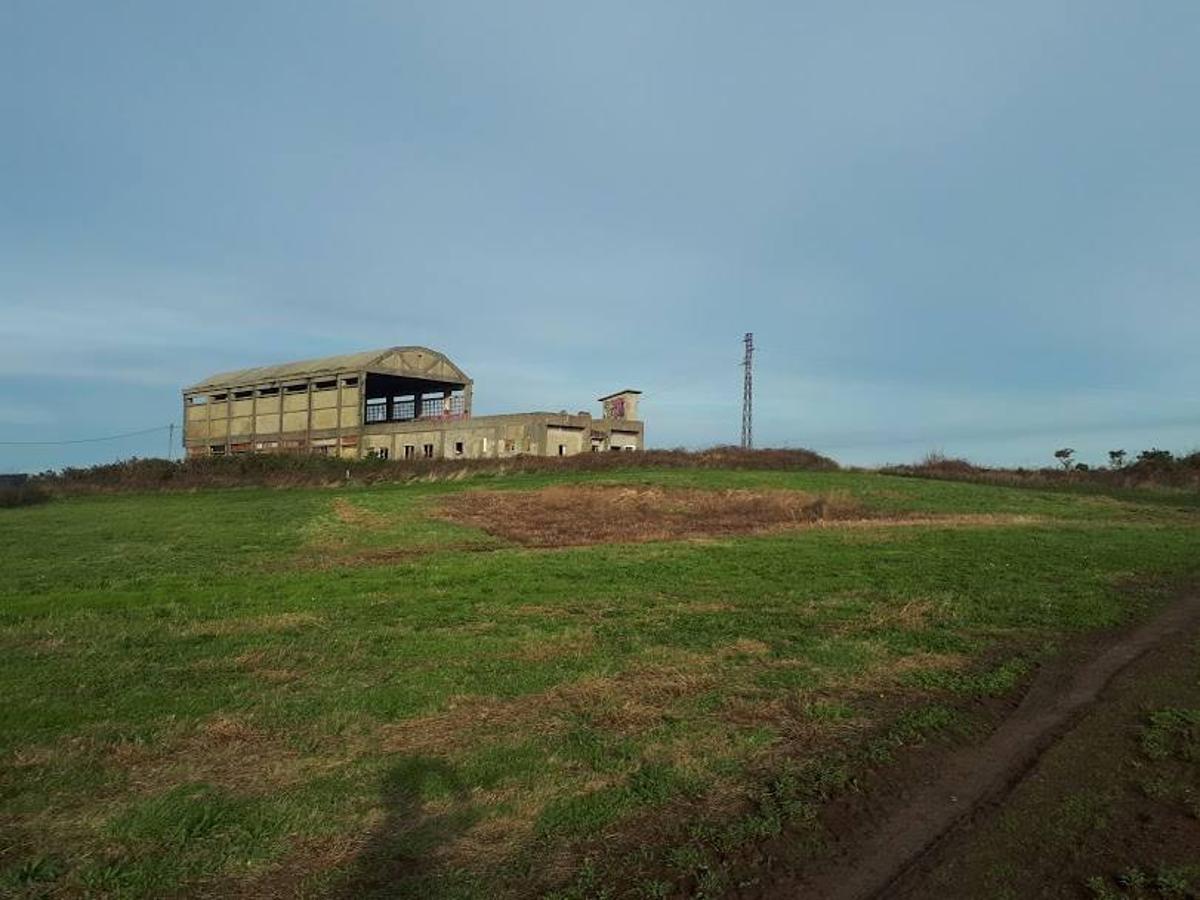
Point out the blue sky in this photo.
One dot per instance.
(965, 227)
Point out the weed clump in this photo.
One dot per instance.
(22, 495)
(298, 469)
(1152, 468)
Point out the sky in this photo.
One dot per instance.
(960, 227)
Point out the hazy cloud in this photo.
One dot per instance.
(956, 226)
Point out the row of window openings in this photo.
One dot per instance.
(506, 446)
(321, 445)
(410, 451)
(404, 408)
(330, 385)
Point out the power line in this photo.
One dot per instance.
(111, 437)
(748, 393)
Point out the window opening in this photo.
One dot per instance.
(377, 409)
(404, 408)
(432, 405)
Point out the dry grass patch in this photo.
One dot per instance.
(349, 514)
(575, 515)
(286, 877)
(577, 643)
(225, 751)
(566, 515)
(747, 647)
(259, 664)
(623, 703)
(292, 621)
(911, 615)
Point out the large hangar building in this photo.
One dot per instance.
(396, 403)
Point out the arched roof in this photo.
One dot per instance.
(411, 362)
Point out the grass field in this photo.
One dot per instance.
(345, 691)
(1111, 812)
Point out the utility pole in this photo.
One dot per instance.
(748, 393)
(171, 442)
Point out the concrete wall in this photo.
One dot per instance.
(324, 414)
(497, 437)
(317, 413)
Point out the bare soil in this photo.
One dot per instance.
(888, 845)
(573, 515)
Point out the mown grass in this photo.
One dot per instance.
(336, 691)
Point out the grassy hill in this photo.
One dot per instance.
(631, 682)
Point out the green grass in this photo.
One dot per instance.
(216, 687)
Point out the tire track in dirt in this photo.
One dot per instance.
(977, 777)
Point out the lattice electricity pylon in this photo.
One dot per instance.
(748, 393)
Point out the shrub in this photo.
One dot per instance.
(1153, 468)
(280, 469)
(22, 495)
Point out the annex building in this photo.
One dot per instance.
(396, 403)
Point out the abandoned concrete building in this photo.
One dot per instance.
(396, 403)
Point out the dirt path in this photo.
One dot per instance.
(976, 777)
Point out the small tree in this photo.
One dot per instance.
(1064, 456)
(1116, 459)
(1156, 457)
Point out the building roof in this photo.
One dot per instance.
(618, 394)
(413, 362)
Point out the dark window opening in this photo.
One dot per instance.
(217, 449)
(378, 453)
(268, 392)
(458, 448)
(242, 395)
(432, 405)
(377, 409)
(404, 408)
(217, 398)
(428, 451)
(562, 449)
(324, 385)
(409, 451)
(350, 382)
(295, 388)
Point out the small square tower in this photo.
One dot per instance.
(621, 406)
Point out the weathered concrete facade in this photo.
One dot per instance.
(398, 403)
